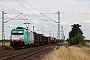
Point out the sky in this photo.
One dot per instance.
(71, 12)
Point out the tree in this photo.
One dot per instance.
(76, 35)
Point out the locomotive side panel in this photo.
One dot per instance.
(30, 39)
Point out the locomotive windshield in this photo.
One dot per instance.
(17, 32)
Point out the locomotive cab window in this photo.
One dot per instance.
(17, 32)
(14, 32)
(20, 32)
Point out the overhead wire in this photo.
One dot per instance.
(26, 8)
(11, 13)
(32, 6)
(13, 18)
(39, 12)
(10, 8)
(30, 10)
(34, 13)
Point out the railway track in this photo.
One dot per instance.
(5, 51)
(26, 54)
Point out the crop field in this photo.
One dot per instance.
(7, 44)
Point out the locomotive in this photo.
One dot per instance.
(21, 37)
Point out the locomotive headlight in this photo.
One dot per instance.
(21, 40)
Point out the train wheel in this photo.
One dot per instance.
(15, 48)
(27, 45)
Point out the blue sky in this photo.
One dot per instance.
(71, 12)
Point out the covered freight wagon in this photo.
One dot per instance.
(48, 40)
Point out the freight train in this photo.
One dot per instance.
(21, 37)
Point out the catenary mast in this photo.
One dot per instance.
(58, 33)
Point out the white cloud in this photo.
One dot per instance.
(82, 0)
(64, 23)
(26, 13)
(15, 16)
(35, 28)
(32, 13)
(86, 22)
(46, 26)
(11, 26)
(8, 16)
(35, 21)
(0, 8)
(88, 12)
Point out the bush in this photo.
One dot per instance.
(76, 35)
(76, 40)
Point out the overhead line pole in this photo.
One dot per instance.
(3, 32)
(58, 33)
(3, 35)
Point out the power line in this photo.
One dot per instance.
(26, 8)
(34, 13)
(10, 8)
(40, 12)
(13, 18)
(29, 10)
(10, 14)
(32, 6)
(47, 17)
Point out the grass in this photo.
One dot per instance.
(87, 52)
(69, 53)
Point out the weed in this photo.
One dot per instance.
(87, 52)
